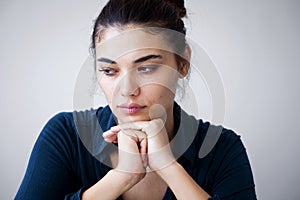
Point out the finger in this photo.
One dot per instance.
(114, 139)
(109, 133)
(143, 151)
(115, 128)
(112, 131)
(143, 142)
(140, 135)
(134, 125)
(135, 135)
(110, 136)
(158, 111)
(127, 143)
(130, 159)
(155, 126)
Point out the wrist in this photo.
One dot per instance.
(116, 182)
(161, 159)
(125, 179)
(169, 170)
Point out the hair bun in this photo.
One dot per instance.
(179, 5)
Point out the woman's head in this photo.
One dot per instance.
(126, 14)
(145, 13)
(141, 52)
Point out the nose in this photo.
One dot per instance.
(129, 85)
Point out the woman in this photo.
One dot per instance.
(142, 145)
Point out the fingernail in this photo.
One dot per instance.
(115, 128)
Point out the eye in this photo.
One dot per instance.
(147, 68)
(108, 71)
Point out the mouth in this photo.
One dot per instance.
(131, 109)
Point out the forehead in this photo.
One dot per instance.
(115, 42)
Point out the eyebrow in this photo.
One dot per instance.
(106, 60)
(145, 58)
(139, 60)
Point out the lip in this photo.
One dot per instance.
(131, 108)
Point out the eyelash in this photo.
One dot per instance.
(146, 69)
(108, 71)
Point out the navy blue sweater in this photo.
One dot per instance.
(70, 156)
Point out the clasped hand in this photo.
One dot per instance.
(141, 144)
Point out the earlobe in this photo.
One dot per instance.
(185, 64)
(184, 69)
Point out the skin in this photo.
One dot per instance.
(141, 83)
(146, 77)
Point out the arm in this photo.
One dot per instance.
(225, 172)
(180, 182)
(103, 189)
(227, 168)
(230, 168)
(49, 174)
(233, 177)
(130, 169)
(161, 160)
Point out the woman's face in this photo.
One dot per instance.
(136, 74)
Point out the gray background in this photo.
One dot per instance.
(254, 45)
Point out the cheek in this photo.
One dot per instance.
(168, 79)
(107, 88)
(158, 94)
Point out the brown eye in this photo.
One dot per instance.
(108, 71)
(147, 68)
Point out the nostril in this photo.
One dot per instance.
(132, 92)
(129, 86)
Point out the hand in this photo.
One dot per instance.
(159, 151)
(157, 143)
(132, 148)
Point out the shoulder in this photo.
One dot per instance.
(224, 163)
(82, 118)
(215, 137)
(59, 124)
(66, 125)
(60, 119)
(221, 149)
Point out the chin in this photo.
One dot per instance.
(132, 118)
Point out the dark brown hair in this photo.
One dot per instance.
(146, 13)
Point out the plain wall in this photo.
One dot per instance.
(254, 45)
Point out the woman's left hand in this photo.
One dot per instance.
(158, 148)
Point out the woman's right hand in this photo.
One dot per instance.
(132, 148)
(132, 152)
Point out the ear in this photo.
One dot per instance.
(185, 62)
